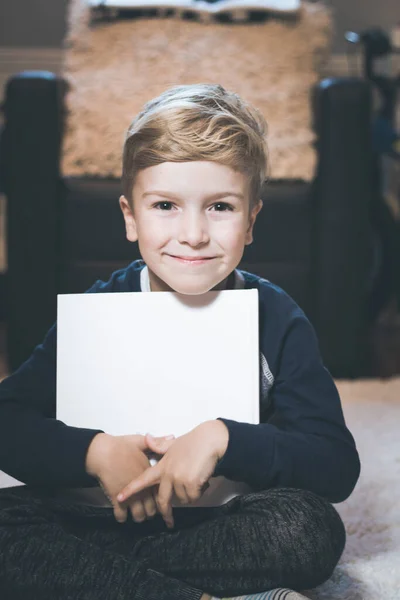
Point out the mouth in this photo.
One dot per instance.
(192, 260)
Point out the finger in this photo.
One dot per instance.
(159, 445)
(164, 498)
(140, 442)
(150, 505)
(120, 513)
(148, 478)
(138, 511)
(195, 492)
(205, 487)
(162, 438)
(180, 493)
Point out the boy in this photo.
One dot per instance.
(193, 165)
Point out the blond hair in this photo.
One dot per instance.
(197, 122)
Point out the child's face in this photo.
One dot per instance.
(185, 221)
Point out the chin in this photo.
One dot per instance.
(183, 283)
(191, 290)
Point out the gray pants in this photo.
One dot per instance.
(52, 550)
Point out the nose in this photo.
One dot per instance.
(193, 229)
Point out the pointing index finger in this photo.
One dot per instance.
(147, 479)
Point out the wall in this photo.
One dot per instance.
(41, 23)
(32, 23)
(361, 14)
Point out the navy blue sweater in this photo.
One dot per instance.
(302, 440)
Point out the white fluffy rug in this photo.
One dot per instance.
(370, 566)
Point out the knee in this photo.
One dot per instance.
(304, 531)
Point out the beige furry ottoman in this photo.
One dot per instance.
(115, 67)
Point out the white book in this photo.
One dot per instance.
(159, 362)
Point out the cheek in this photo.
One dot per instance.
(232, 235)
(152, 232)
(155, 232)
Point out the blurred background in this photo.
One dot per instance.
(42, 23)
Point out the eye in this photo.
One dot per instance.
(163, 202)
(224, 205)
(165, 206)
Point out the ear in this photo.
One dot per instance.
(252, 220)
(130, 223)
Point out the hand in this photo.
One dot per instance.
(187, 465)
(114, 461)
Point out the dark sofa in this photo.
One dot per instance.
(312, 239)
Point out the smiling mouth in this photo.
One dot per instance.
(192, 260)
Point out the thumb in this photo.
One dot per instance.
(139, 441)
(159, 445)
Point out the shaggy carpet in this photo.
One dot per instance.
(369, 567)
(115, 67)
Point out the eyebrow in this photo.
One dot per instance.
(212, 197)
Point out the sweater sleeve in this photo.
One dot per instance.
(306, 444)
(35, 447)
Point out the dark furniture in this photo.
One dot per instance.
(312, 239)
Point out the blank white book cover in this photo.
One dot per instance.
(159, 362)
